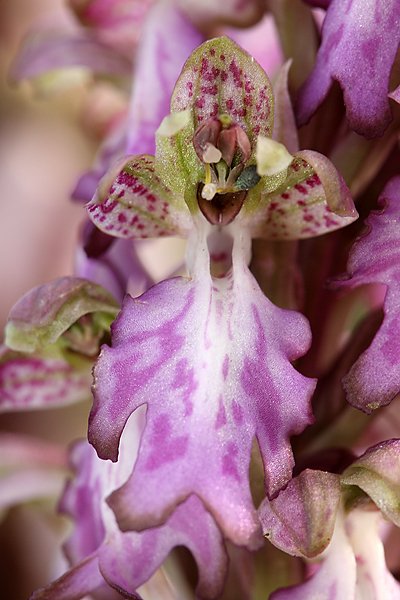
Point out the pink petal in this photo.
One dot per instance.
(211, 358)
(128, 560)
(117, 269)
(17, 450)
(374, 379)
(373, 577)
(359, 45)
(262, 42)
(132, 202)
(118, 22)
(44, 52)
(167, 40)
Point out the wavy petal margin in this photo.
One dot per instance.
(125, 561)
(211, 359)
(374, 379)
(132, 202)
(359, 45)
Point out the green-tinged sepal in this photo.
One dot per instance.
(376, 474)
(71, 308)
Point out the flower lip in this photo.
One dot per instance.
(222, 208)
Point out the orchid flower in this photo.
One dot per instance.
(338, 520)
(214, 345)
(52, 338)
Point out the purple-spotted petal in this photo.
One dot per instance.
(132, 202)
(211, 359)
(44, 52)
(377, 473)
(167, 39)
(359, 45)
(374, 379)
(221, 78)
(301, 520)
(218, 78)
(30, 382)
(47, 311)
(313, 200)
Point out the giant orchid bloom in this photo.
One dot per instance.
(104, 559)
(374, 379)
(338, 519)
(359, 45)
(208, 354)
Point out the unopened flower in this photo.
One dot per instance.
(52, 339)
(337, 519)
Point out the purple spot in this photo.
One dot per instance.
(185, 379)
(164, 447)
(237, 413)
(225, 367)
(221, 416)
(229, 466)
